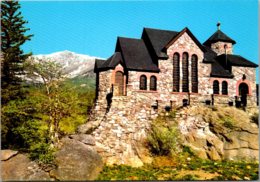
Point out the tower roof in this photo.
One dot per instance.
(218, 36)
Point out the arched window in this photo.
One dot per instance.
(185, 72)
(194, 73)
(176, 72)
(224, 88)
(215, 87)
(153, 83)
(119, 82)
(143, 82)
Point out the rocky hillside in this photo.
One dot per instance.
(214, 133)
(74, 64)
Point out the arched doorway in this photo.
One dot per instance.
(119, 82)
(243, 91)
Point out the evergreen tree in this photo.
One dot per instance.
(12, 36)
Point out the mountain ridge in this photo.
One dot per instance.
(74, 64)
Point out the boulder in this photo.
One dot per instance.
(89, 127)
(7, 154)
(21, 168)
(84, 138)
(76, 161)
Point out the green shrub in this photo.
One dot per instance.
(228, 123)
(164, 140)
(42, 152)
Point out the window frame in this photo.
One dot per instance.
(216, 85)
(143, 83)
(176, 72)
(224, 88)
(194, 74)
(153, 83)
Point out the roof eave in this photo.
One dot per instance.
(221, 76)
(142, 70)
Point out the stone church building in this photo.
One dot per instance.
(171, 68)
(162, 70)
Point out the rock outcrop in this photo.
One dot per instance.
(225, 133)
(7, 154)
(77, 161)
(20, 168)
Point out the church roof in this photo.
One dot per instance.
(156, 39)
(133, 55)
(218, 70)
(209, 55)
(98, 64)
(221, 64)
(236, 60)
(143, 54)
(113, 61)
(218, 36)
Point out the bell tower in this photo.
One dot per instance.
(220, 43)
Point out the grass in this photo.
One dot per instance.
(193, 169)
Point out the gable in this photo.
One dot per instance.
(184, 43)
(185, 37)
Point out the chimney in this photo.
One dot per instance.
(225, 47)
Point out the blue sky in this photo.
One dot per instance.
(91, 27)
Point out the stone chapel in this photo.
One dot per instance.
(170, 68)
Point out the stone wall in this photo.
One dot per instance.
(119, 136)
(219, 48)
(103, 88)
(250, 80)
(233, 85)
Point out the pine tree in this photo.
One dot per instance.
(12, 58)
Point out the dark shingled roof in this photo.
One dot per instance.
(109, 63)
(217, 70)
(236, 60)
(209, 55)
(135, 55)
(143, 54)
(156, 39)
(98, 64)
(218, 36)
(221, 65)
(114, 60)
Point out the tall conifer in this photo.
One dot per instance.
(12, 56)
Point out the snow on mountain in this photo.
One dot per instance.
(74, 64)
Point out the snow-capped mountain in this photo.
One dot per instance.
(74, 64)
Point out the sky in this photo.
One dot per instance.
(92, 27)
